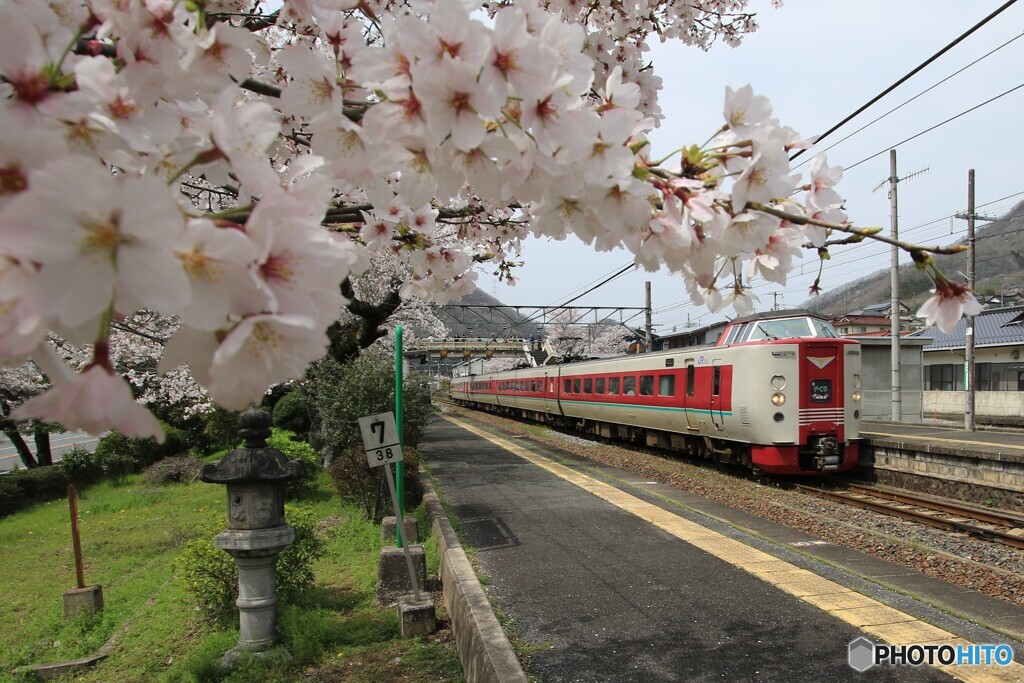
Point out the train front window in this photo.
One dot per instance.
(783, 328)
(824, 329)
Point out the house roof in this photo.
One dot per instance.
(997, 327)
(864, 319)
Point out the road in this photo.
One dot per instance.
(59, 443)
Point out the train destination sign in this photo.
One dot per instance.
(380, 439)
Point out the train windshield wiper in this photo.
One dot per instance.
(766, 333)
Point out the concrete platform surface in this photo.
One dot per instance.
(604, 577)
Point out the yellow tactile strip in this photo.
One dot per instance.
(874, 618)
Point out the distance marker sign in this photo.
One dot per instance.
(380, 439)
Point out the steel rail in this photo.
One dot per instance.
(880, 501)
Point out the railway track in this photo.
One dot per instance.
(989, 525)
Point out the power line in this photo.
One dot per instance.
(900, 82)
(937, 125)
(906, 102)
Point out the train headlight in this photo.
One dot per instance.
(855, 396)
(778, 399)
(778, 382)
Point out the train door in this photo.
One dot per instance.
(717, 396)
(821, 391)
(690, 400)
(551, 392)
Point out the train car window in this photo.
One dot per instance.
(716, 381)
(588, 386)
(647, 385)
(533, 385)
(613, 385)
(567, 386)
(576, 386)
(666, 385)
(691, 372)
(629, 386)
(599, 385)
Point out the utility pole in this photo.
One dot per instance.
(970, 380)
(647, 316)
(895, 318)
(775, 300)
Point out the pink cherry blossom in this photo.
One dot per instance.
(950, 302)
(94, 401)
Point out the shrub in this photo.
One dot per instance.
(41, 483)
(12, 498)
(292, 413)
(20, 489)
(358, 484)
(288, 443)
(211, 577)
(79, 467)
(220, 430)
(345, 393)
(178, 469)
(117, 464)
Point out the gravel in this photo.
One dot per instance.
(956, 558)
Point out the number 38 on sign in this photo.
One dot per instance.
(380, 439)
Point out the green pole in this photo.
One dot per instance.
(399, 422)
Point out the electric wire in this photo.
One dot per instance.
(937, 125)
(906, 102)
(902, 80)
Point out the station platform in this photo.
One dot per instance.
(602, 576)
(984, 467)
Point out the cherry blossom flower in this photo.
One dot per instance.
(94, 401)
(744, 110)
(950, 302)
(821, 196)
(99, 240)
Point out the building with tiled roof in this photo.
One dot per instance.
(999, 370)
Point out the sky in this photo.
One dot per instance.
(818, 61)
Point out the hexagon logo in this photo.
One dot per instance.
(862, 654)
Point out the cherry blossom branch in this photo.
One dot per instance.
(862, 233)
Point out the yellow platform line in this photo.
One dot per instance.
(871, 616)
(911, 437)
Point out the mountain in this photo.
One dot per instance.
(999, 268)
(482, 323)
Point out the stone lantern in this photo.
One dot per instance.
(255, 476)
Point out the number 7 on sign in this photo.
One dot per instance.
(380, 439)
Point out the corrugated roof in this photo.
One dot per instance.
(991, 328)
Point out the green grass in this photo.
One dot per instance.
(130, 537)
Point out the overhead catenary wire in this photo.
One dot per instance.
(937, 125)
(906, 102)
(913, 72)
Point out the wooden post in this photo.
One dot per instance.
(73, 503)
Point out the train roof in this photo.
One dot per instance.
(772, 315)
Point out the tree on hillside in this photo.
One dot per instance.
(320, 133)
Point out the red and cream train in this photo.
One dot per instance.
(778, 392)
